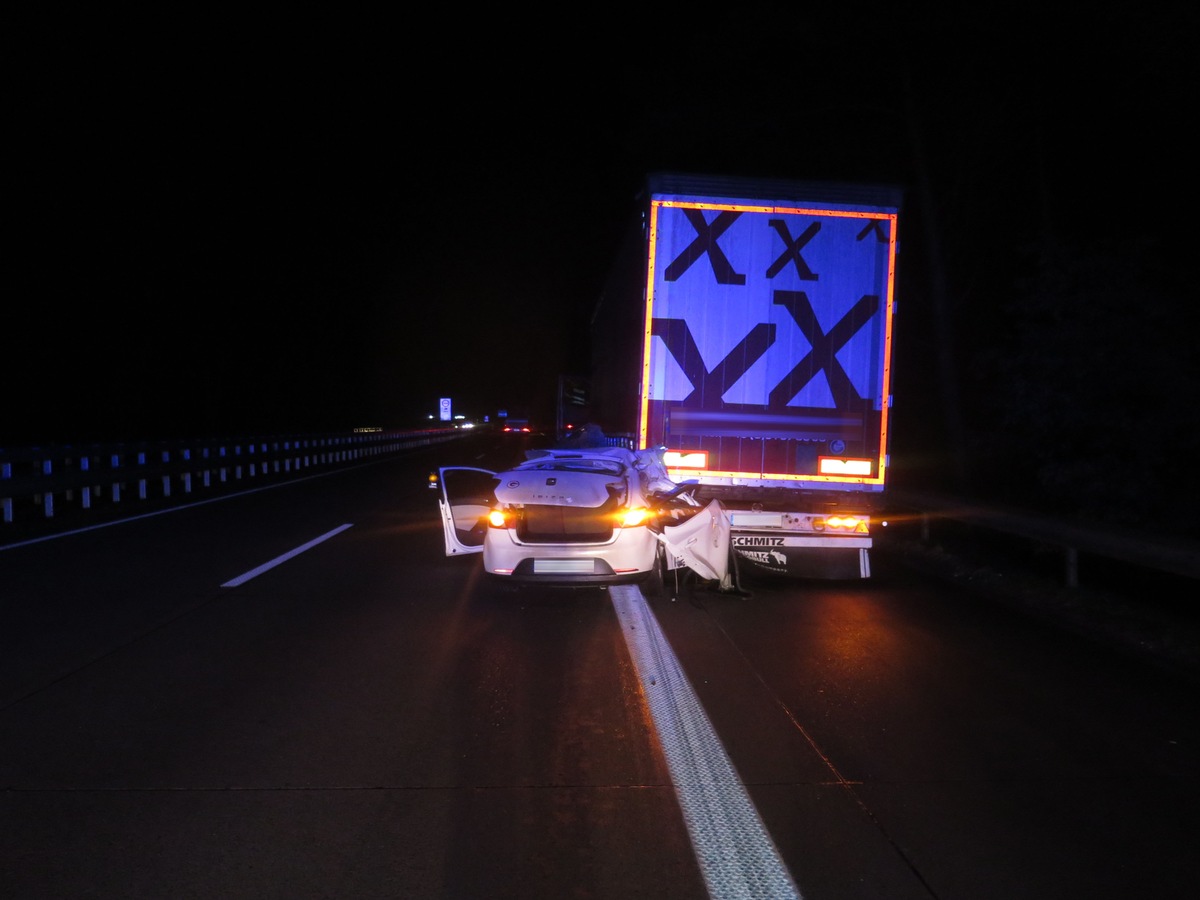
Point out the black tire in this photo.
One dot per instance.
(655, 584)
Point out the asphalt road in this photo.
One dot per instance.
(365, 718)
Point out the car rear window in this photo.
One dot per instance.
(558, 464)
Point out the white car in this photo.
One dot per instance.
(582, 517)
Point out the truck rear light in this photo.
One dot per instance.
(837, 465)
(853, 524)
(685, 459)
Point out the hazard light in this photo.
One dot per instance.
(631, 518)
(851, 524)
(685, 459)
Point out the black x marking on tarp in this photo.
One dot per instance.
(706, 243)
(823, 354)
(875, 226)
(792, 249)
(681, 345)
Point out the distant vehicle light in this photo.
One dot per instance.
(433, 480)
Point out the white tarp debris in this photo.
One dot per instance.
(702, 542)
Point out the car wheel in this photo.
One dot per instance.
(655, 584)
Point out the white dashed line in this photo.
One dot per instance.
(246, 576)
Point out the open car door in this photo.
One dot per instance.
(467, 496)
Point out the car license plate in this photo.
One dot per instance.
(562, 567)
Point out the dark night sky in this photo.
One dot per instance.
(238, 226)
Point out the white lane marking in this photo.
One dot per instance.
(253, 573)
(736, 854)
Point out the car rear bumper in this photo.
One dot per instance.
(518, 577)
(628, 559)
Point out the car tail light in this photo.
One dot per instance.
(498, 519)
(631, 518)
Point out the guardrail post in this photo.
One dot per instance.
(48, 497)
(1071, 558)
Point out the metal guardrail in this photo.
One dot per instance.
(44, 489)
(1158, 552)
